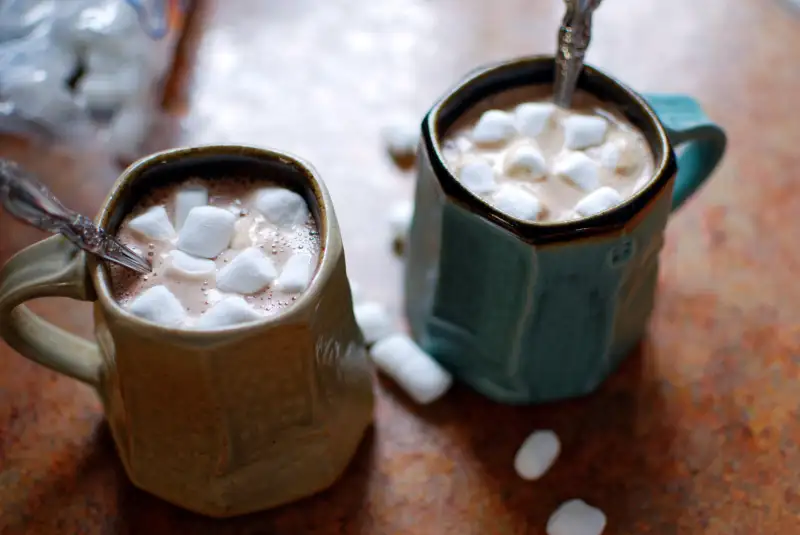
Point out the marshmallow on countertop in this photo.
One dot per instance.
(296, 273)
(525, 161)
(516, 202)
(282, 207)
(207, 231)
(374, 321)
(477, 176)
(578, 169)
(583, 131)
(186, 199)
(400, 216)
(411, 368)
(232, 310)
(533, 117)
(494, 127)
(401, 139)
(186, 266)
(598, 201)
(159, 305)
(249, 272)
(537, 454)
(576, 517)
(153, 224)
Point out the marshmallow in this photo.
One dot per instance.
(232, 310)
(516, 202)
(282, 207)
(356, 292)
(453, 148)
(477, 176)
(400, 216)
(642, 183)
(411, 368)
(187, 266)
(494, 127)
(207, 231)
(598, 201)
(159, 305)
(578, 169)
(582, 131)
(296, 273)
(401, 139)
(374, 321)
(525, 162)
(576, 517)
(532, 117)
(250, 272)
(186, 199)
(153, 224)
(620, 155)
(241, 234)
(537, 454)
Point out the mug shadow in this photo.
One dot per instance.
(615, 444)
(141, 512)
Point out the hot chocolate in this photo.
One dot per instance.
(223, 252)
(537, 162)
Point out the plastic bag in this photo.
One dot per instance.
(85, 71)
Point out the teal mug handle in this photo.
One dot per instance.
(701, 142)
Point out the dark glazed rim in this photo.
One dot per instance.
(536, 70)
(175, 164)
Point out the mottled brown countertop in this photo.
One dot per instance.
(698, 434)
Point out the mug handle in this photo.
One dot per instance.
(702, 142)
(50, 268)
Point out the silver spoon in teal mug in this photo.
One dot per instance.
(29, 201)
(573, 40)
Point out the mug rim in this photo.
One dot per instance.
(486, 81)
(330, 244)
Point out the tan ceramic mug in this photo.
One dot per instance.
(222, 422)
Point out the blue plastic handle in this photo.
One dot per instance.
(699, 143)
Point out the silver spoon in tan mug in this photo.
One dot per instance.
(29, 201)
(573, 40)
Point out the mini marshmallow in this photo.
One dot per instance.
(186, 199)
(516, 202)
(400, 216)
(578, 169)
(576, 517)
(525, 161)
(296, 273)
(411, 368)
(232, 310)
(153, 224)
(642, 183)
(401, 139)
(159, 305)
(250, 272)
(533, 117)
(187, 266)
(619, 155)
(598, 201)
(537, 454)
(374, 321)
(477, 176)
(582, 131)
(206, 232)
(494, 127)
(282, 207)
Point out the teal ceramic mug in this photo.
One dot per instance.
(533, 312)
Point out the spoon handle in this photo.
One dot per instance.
(574, 36)
(31, 202)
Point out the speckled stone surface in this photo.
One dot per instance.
(698, 433)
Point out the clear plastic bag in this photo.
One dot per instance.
(83, 71)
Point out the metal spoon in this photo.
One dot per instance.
(28, 200)
(573, 40)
